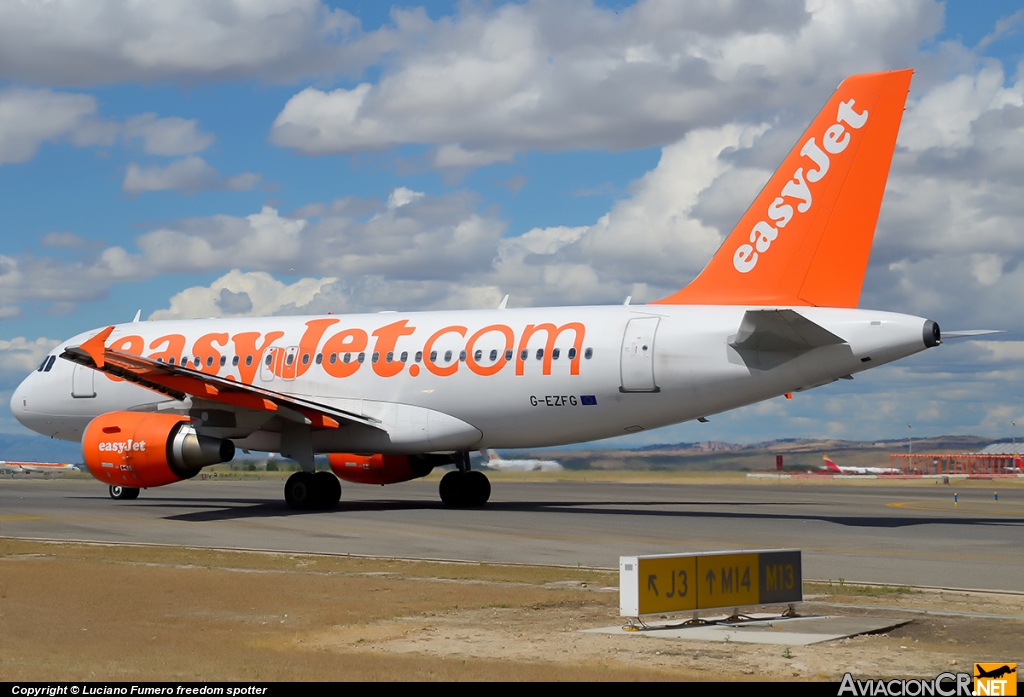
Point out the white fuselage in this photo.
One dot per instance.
(618, 370)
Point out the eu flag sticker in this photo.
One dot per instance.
(588, 400)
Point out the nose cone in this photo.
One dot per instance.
(19, 401)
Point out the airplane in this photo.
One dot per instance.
(389, 397)
(44, 467)
(495, 462)
(833, 468)
(999, 672)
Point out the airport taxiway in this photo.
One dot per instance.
(873, 534)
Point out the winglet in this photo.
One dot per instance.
(95, 346)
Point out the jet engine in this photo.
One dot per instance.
(140, 450)
(384, 469)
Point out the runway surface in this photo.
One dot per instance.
(892, 534)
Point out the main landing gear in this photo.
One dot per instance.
(124, 493)
(307, 491)
(464, 488)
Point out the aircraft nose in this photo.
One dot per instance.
(20, 401)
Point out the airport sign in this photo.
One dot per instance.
(670, 583)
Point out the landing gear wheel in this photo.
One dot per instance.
(465, 489)
(124, 493)
(301, 491)
(451, 489)
(479, 488)
(329, 489)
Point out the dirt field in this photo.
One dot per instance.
(95, 612)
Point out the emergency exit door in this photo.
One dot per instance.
(637, 363)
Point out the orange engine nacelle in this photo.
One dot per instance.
(384, 469)
(141, 450)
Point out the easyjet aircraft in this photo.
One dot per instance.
(390, 396)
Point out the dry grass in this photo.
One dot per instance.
(106, 613)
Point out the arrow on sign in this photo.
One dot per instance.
(651, 578)
(710, 578)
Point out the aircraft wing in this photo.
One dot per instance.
(178, 382)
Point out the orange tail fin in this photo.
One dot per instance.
(807, 237)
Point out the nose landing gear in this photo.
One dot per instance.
(123, 493)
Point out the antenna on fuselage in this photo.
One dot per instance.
(503, 303)
(138, 314)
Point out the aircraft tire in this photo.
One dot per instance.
(451, 489)
(301, 491)
(478, 489)
(123, 493)
(329, 489)
(465, 489)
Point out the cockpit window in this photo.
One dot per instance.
(42, 365)
(49, 364)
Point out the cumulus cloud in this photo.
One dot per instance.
(107, 41)
(30, 117)
(189, 174)
(493, 80)
(239, 294)
(19, 355)
(169, 136)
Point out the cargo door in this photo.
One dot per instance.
(637, 363)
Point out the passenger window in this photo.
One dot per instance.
(540, 354)
(588, 354)
(555, 353)
(390, 357)
(433, 356)
(334, 358)
(160, 359)
(462, 355)
(248, 359)
(405, 356)
(447, 356)
(494, 355)
(270, 358)
(223, 360)
(572, 353)
(524, 355)
(319, 358)
(508, 355)
(289, 359)
(348, 358)
(209, 361)
(305, 359)
(376, 357)
(171, 360)
(361, 357)
(419, 357)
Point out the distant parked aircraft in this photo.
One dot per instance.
(44, 467)
(836, 469)
(495, 462)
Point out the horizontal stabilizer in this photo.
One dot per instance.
(781, 330)
(964, 333)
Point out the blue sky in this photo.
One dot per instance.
(562, 152)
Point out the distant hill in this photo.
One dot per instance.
(30, 448)
(798, 454)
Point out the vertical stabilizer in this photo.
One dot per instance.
(807, 236)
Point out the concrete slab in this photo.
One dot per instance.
(765, 629)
